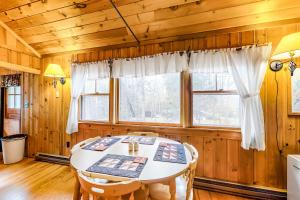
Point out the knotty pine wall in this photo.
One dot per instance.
(221, 156)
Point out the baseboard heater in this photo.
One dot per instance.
(246, 191)
(52, 158)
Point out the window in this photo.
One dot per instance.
(295, 92)
(153, 99)
(14, 97)
(215, 101)
(95, 100)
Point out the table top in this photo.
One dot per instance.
(154, 171)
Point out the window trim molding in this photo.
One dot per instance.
(209, 92)
(110, 104)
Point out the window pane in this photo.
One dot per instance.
(18, 90)
(225, 82)
(10, 90)
(150, 99)
(216, 110)
(212, 82)
(11, 101)
(95, 108)
(89, 87)
(102, 85)
(296, 91)
(17, 101)
(204, 81)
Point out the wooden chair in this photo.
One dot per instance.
(150, 134)
(76, 192)
(184, 189)
(107, 191)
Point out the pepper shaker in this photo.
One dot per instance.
(136, 146)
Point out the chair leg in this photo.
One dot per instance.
(172, 187)
(76, 192)
(85, 196)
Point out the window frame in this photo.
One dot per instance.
(209, 92)
(110, 104)
(180, 124)
(14, 96)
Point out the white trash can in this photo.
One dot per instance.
(13, 148)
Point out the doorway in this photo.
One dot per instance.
(11, 100)
(12, 106)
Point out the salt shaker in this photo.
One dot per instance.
(130, 146)
(136, 146)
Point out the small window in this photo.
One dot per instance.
(154, 99)
(14, 97)
(215, 100)
(95, 100)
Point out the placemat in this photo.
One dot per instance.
(119, 165)
(169, 152)
(101, 144)
(140, 139)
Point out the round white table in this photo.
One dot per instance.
(153, 172)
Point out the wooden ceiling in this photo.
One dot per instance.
(52, 26)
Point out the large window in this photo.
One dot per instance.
(215, 101)
(150, 99)
(14, 97)
(95, 100)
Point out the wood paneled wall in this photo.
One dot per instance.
(221, 156)
(13, 51)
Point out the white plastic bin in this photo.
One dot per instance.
(13, 147)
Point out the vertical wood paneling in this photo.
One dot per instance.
(221, 156)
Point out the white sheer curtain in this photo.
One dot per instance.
(210, 61)
(150, 65)
(81, 73)
(248, 67)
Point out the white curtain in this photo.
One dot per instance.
(81, 72)
(150, 65)
(210, 61)
(248, 67)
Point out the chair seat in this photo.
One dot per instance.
(160, 191)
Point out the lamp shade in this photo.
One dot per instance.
(54, 70)
(288, 44)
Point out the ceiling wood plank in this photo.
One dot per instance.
(146, 22)
(68, 12)
(177, 32)
(100, 16)
(19, 39)
(36, 7)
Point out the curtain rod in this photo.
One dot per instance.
(184, 51)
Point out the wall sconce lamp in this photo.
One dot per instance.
(286, 52)
(55, 71)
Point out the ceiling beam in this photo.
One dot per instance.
(117, 10)
(9, 30)
(18, 68)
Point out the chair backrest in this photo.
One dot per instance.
(82, 143)
(152, 134)
(192, 168)
(107, 190)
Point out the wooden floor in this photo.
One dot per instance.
(30, 179)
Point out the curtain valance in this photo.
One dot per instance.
(150, 65)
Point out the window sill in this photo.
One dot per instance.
(95, 122)
(166, 126)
